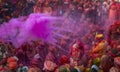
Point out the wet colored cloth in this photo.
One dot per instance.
(98, 50)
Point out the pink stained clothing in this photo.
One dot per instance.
(118, 8)
(113, 13)
(64, 59)
(76, 50)
(75, 54)
(3, 69)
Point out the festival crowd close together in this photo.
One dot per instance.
(92, 46)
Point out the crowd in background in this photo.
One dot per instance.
(91, 43)
(75, 8)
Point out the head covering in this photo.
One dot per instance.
(96, 61)
(64, 59)
(11, 59)
(99, 36)
(16, 58)
(75, 45)
(94, 68)
(77, 50)
(25, 68)
(78, 45)
(63, 69)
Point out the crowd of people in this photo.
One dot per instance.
(90, 41)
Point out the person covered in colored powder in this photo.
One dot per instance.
(113, 12)
(50, 63)
(76, 53)
(99, 49)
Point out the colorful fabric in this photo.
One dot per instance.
(12, 65)
(112, 12)
(2, 69)
(98, 50)
(99, 36)
(34, 62)
(99, 46)
(117, 61)
(64, 59)
(76, 50)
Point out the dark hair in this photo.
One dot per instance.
(93, 70)
(73, 70)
